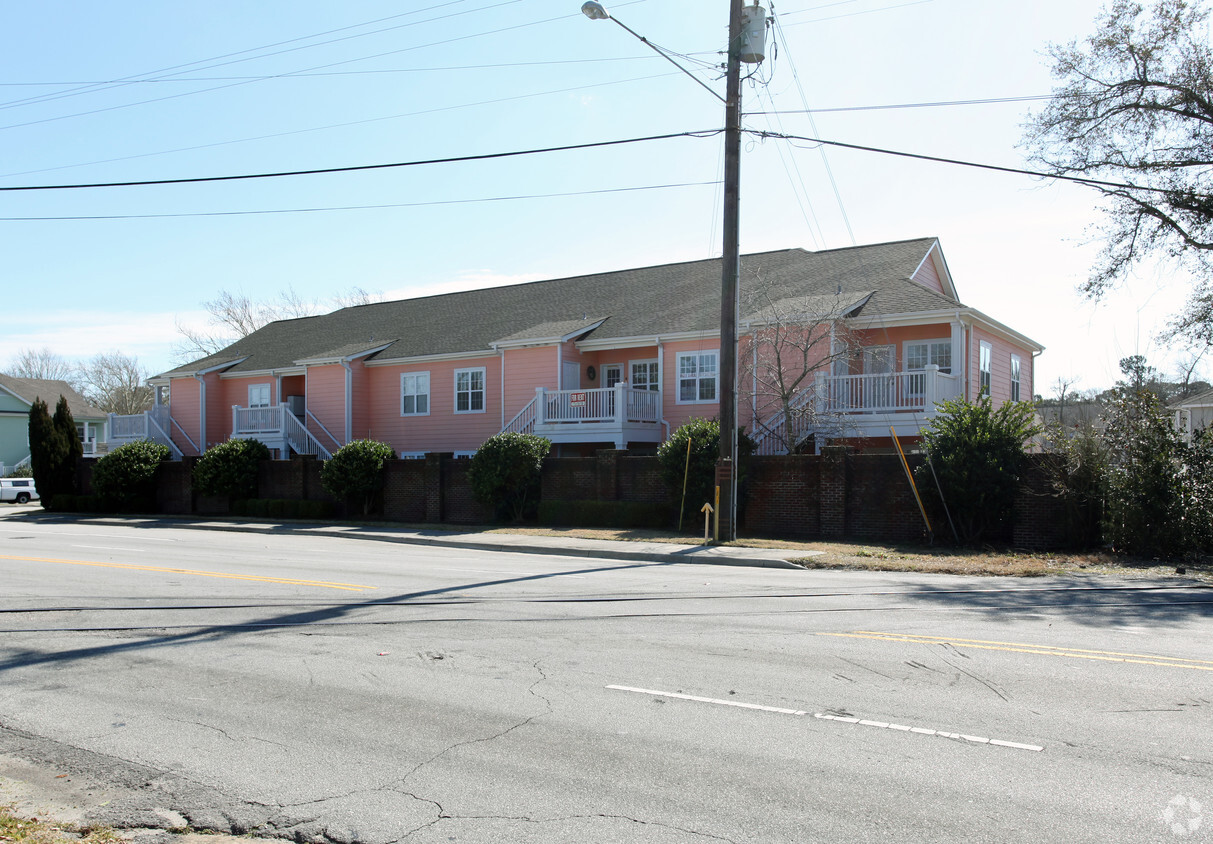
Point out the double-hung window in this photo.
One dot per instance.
(985, 366)
(259, 395)
(469, 390)
(920, 355)
(645, 375)
(1015, 366)
(415, 394)
(697, 377)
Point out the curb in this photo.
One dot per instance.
(694, 555)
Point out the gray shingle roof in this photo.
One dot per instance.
(667, 299)
(29, 389)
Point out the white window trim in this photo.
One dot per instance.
(651, 362)
(1016, 378)
(905, 351)
(985, 375)
(428, 401)
(269, 395)
(678, 377)
(484, 390)
(606, 367)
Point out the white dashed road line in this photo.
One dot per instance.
(843, 719)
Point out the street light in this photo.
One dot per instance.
(747, 30)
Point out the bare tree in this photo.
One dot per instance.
(236, 315)
(116, 383)
(43, 364)
(357, 296)
(790, 342)
(1134, 109)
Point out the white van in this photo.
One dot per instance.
(19, 490)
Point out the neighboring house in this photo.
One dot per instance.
(1193, 414)
(614, 359)
(17, 396)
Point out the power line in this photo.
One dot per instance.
(360, 207)
(215, 61)
(362, 167)
(856, 14)
(343, 125)
(1082, 180)
(275, 76)
(302, 74)
(892, 106)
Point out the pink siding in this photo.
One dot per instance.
(362, 393)
(678, 414)
(184, 402)
(526, 369)
(1000, 369)
(928, 277)
(442, 429)
(326, 401)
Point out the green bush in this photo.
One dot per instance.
(1076, 465)
(700, 478)
(355, 473)
(26, 471)
(977, 454)
(54, 450)
(128, 473)
(504, 473)
(1159, 487)
(230, 469)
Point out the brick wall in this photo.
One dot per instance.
(838, 494)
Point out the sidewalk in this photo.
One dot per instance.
(564, 546)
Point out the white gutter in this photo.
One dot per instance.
(201, 411)
(349, 398)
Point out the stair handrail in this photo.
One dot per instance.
(162, 437)
(299, 438)
(523, 421)
(312, 416)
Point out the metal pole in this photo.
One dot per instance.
(730, 273)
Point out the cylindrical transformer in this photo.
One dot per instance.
(753, 34)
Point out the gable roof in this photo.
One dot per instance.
(663, 300)
(49, 390)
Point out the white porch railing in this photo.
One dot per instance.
(835, 398)
(885, 393)
(6, 469)
(605, 404)
(277, 427)
(616, 413)
(151, 425)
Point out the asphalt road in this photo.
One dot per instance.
(346, 689)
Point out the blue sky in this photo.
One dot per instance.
(137, 91)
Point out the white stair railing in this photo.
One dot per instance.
(299, 438)
(523, 422)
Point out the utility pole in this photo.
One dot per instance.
(726, 466)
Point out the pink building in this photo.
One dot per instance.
(841, 345)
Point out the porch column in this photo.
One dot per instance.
(930, 390)
(541, 405)
(958, 355)
(235, 419)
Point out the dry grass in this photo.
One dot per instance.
(19, 830)
(916, 558)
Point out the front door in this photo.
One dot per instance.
(570, 375)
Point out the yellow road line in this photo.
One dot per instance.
(351, 587)
(1044, 650)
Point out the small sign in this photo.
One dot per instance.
(577, 399)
